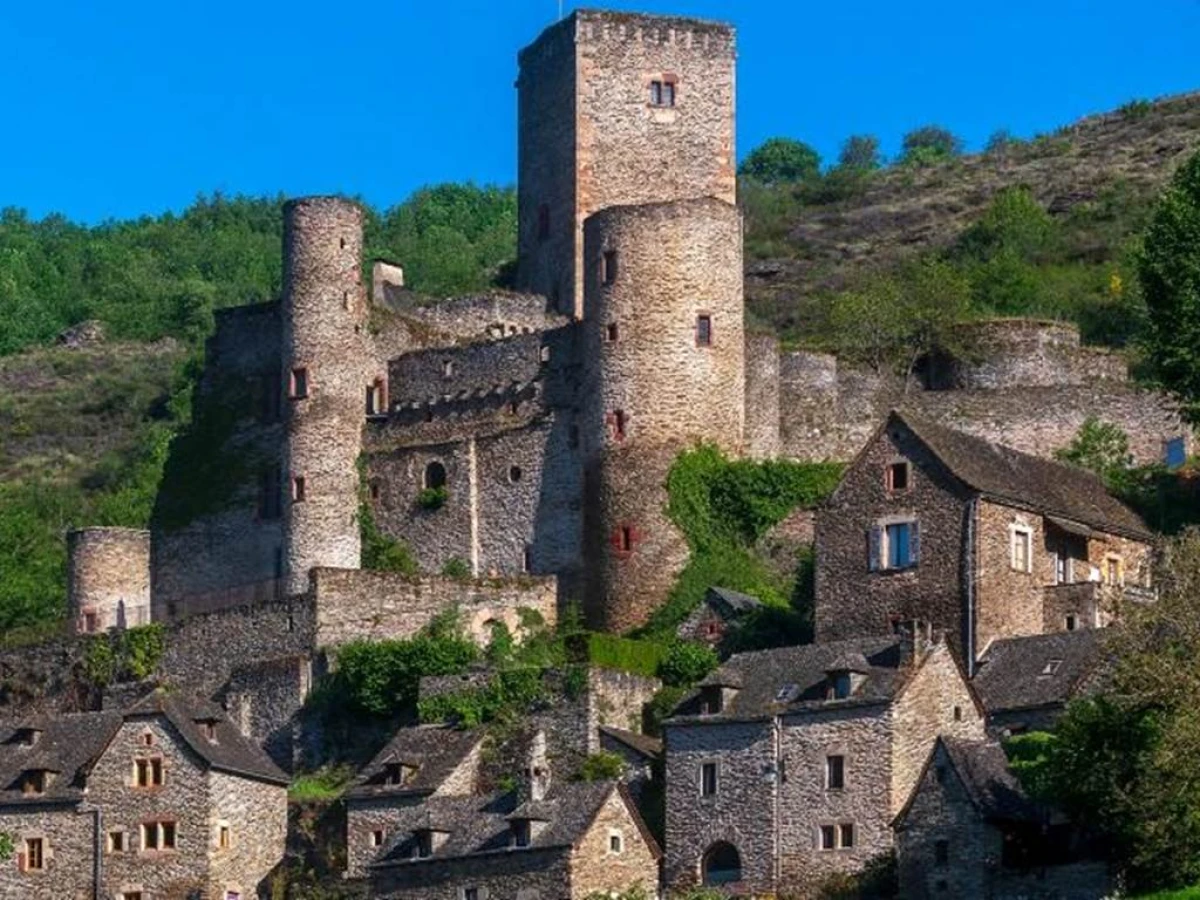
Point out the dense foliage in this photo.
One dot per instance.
(781, 161)
(1169, 271)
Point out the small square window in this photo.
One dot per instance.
(897, 477)
(116, 842)
(615, 842)
(708, 779)
(828, 837)
(1072, 623)
(377, 838)
(846, 835)
(662, 93)
(835, 773)
(298, 387)
(471, 893)
(608, 267)
(35, 855)
(298, 489)
(704, 332)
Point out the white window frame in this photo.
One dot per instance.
(1020, 531)
(829, 757)
(716, 769)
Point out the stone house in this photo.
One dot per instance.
(978, 539)
(969, 830)
(721, 612)
(417, 763)
(542, 842)
(788, 765)
(173, 798)
(1025, 683)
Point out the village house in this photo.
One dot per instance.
(978, 539)
(787, 766)
(1025, 683)
(417, 763)
(721, 612)
(173, 798)
(540, 842)
(969, 830)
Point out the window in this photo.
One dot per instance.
(33, 783)
(473, 893)
(958, 714)
(298, 487)
(704, 332)
(158, 835)
(377, 838)
(435, 475)
(91, 622)
(835, 773)
(1112, 570)
(543, 222)
(298, 387)
(893, 546)
(611, 333)
(397, 774)
(424, 844)
(941, 853)
(544, 354)
(897, 477)
(828, 837)
(618, 425)
(840, 686)
(148, 739)
(616, 843)
(662, 93)
(116, 842)
(148, 772)
(708, 779)
(375, 399)
(514, 474)
(846, 835)
(1174, 453)
(1072, 623)
(527, 559)
(608, 267)
(1022, 549)
(625, 539)
(224, 837)
(521, 834)
(447, 368)
(35, 855)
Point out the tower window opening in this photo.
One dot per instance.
(527, 559)
(298, 386)
(608, 267)
(376, 404)
(612, 332)
(543, 222)
(374, 488)
(447, 368)
(662, 92)
(514, 474)
(298, 489)
(342, 244)
(618, 424)
(704, 330)
(545, 353)
(435, 475)
(625, 539)
(345, 299)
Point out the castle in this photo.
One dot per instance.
(530, 433)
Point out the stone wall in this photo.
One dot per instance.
(68, 841)
(108, 578)
(596, 870)
(496, 876)
(257, 816)
(655, 387)
(263, 698)
(353, 604)
(762, 396)
(489, 316)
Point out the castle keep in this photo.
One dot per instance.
(530, 433)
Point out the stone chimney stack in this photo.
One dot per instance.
(536, 782)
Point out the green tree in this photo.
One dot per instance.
(929, 144)
(860, 153)
(781, 161)
(1169, 272)
(1100, 447)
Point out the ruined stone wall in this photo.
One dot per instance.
(762, 396)
(108, 578)
(596, 869)
(590, 138)
(352, 604)
(741, 813)
(655, 389)
(827, 411)
(446, 373)
(257, 816)
(618, 699)
(853, 601)
(324, 314)
(480, 317)
(232, 549)
(1017, 353)
(68, 851)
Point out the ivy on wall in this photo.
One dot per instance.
(125, 655)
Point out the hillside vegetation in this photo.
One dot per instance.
(1044, 227)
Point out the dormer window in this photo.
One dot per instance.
(840, 686)
(27, 737)
(34, 782)
(424, 844)
(521, 833)
(208, 728)
(398, 774)
(711, 701)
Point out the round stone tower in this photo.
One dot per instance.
(664, 351)
(108, 578)
(324, 383)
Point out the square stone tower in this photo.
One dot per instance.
(616, 109)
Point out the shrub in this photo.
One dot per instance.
(781, 160)
(610, 651)
(928, 145)
(602, 766)
(380, 678)
(1136, 110)
(508, 693)
(686, 663)
(7, 846)
(456, 568)
(381, 553)
(325, 784)
(432, 498)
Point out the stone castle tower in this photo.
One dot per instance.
(323, 318)
(616, 109)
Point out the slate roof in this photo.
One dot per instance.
(982, 766)
(433, 750)
(730, 603)
(483, 825)
(1026, 481)
(795, 678)
(1039, 670)
(68, 746)
(642, 744)
(230, 752)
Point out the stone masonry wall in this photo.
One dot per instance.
(596, 869)
(263, 698)
(762, 396)
(108, 578)
(742, 812)
(496, 876)
(490, 316)
(67, 842)
(353, 604)
(851, 600)
(257, 816)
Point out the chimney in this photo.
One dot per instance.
(536, 783)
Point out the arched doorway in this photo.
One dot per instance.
(722, 864)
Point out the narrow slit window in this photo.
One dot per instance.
(618, 424)
(625, 539)
(708, 780)
(298, 387)
(608, 267)
(612, 332)
(299, 487)
(704, 330)
(835, 772)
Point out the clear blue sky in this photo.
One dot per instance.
(127, 108)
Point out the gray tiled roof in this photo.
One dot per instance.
(982, 766)
(67, 746)
(1039, 670)
(433, 750)
(642, 744)
(230, 752)
(480, 825)
(795, 678)
(1030, 482)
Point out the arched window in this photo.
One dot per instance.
(435, 475)
(722, 864)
